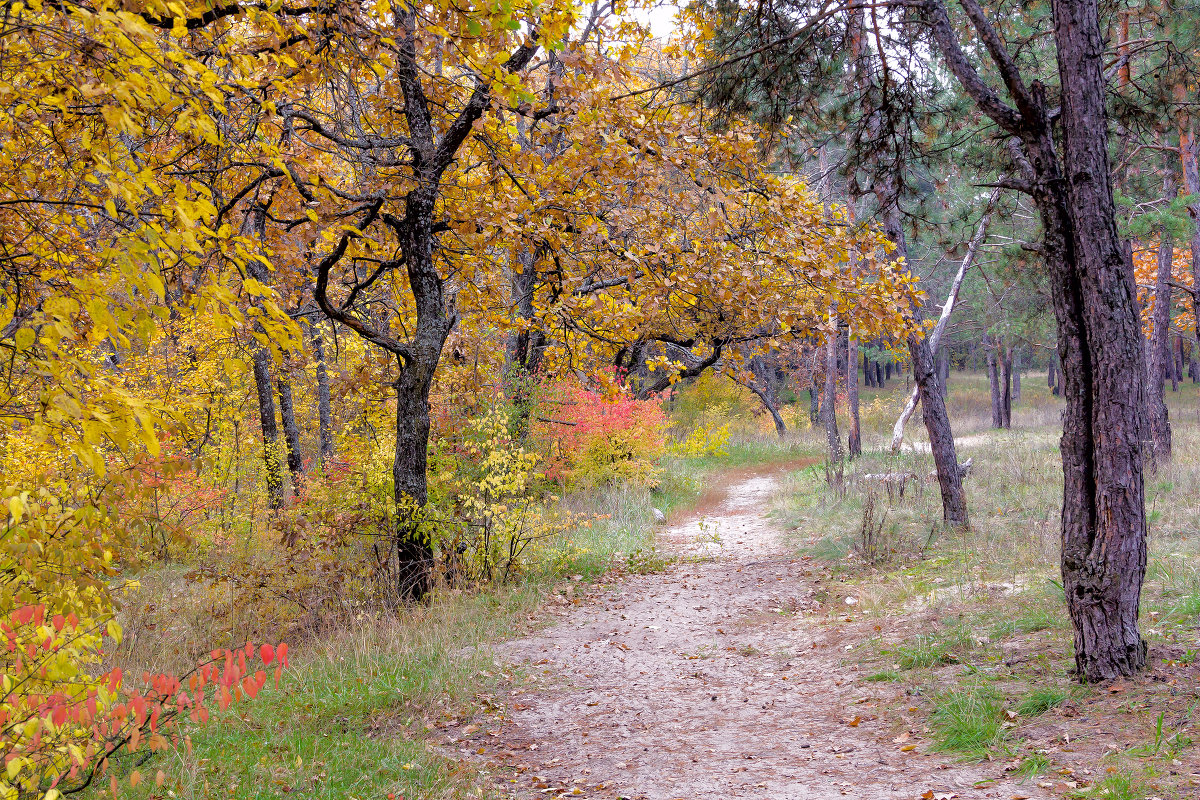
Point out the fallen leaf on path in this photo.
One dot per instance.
(902, 738)
(853, 721)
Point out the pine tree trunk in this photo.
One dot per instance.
(1006, 391)
(829, 406)
(1159, 361)
(1104, 512)
(989, 346)
(854, 439)
(1177, 376)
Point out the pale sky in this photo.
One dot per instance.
(661, 18)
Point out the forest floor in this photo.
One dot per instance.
(732, 674)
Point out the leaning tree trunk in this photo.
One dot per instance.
(1160, 348)
(937, 421)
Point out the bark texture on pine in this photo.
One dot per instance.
(1159, 362)
(1099, 333)
(1104, 510)
(1189, 157)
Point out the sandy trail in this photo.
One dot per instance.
(713, 680)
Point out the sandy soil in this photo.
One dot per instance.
(713, 679)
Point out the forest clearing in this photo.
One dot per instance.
(525, 398)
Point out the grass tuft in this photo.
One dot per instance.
(968, 721)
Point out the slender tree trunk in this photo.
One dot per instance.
(880, 380)
(1177, 375)
(829, 406)
(1190, 163)
(1050, 381)
(1016, 378)
(269, 427)
(1006, 390)
(989, 346)
(854, 439)
(887, 372)
(814, 403)
(1159, 361)
(868, 372)
(324, 406)
(291, 431)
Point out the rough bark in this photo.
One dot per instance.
(1094, 298)
(880, 380)
(1104, 521)
(1189, 158)
(814, 403)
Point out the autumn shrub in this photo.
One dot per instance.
(63, 715)
(593, 440)
(500, 506)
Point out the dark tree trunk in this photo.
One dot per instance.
(1104, 511)
(270, 428)
(933, 407)
(879, 379)
(1190, 164)
(324, 406)
(887, 371)
(1095, 305)
(1050, 368)
(868, 372)
(765, 385)
(291, 431)
(1160, 360)
(989, 345)
(854, 438)
(814, 403)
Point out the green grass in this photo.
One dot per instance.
(967, 721)
(1039, 701)
(887, 675)
(348, 718)
(930, 650)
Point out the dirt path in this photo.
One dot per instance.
(714, 679)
